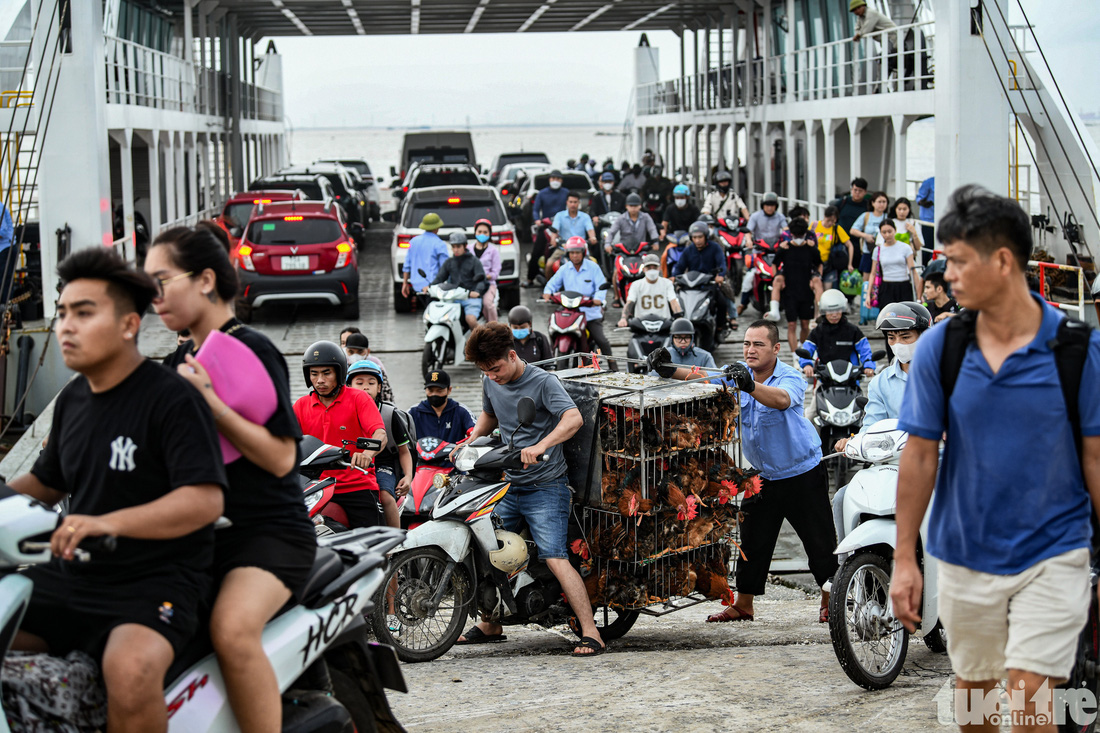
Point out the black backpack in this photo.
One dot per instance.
(838, 254)
(1070, 347)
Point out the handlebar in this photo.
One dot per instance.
(103, 543)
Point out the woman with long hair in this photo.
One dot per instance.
(865, 229)
(266, 556)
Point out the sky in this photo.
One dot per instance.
(566, 78)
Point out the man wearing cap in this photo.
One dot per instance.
(651, 298)
(357, 347)
(637, 226)
(767, 224)
(548, 202)
(869, 21)
(464, 269)
(438, 416)
(427, 252)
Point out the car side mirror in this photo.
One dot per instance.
(236, 232)
(877, 355)
(393, 171)
(525, 411)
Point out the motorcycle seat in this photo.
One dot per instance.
(327, 567)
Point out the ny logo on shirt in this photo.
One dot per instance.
(122, 454)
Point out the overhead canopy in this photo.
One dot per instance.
(257, 18)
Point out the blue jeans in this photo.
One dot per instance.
(387, 480)
(546, 509)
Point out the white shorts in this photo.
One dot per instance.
(1029, 621)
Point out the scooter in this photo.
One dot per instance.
(839, 403)
(319, 493)
(735, 240)
(674, 247)
(446, 326)
(654, 203)
(448, 569)
(628, 265)
(603, 241)
(869, 641)
(330, 676)
(568, 328)
(764, 270)
(650, 334)
(434, 460)
(699, 295)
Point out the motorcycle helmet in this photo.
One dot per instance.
(576, 244)
(571, 163)
(851, 283)
(699, 227)
(706, 219)
(681, 190)
(322, 354)
(832, 301)
(519, 314)
(511, 556)
(486, 222)
(770, 198)
(904, 316)
(457, 238)
(722, 176)
(633, 200)
(365, 366)
(682, 327)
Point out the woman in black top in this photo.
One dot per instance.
(266, 556)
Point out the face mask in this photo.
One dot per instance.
(609, 187)
(483, 238)
(555, 185)
(723, 187)
(904, 352)
(652, 275)
(521, 333)
(681, 203)
(437, 400)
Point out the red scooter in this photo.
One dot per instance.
(628, 265)
(434, 459)
(763, 264)
(737, 242)
(319, 493)
(568, 324)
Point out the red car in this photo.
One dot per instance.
(238, 210)
(299, 251)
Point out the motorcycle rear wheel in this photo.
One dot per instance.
(936, 639)
(417, 631)
(869, 643)
(612, 623)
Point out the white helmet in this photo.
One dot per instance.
(511, 557)
(833, 300)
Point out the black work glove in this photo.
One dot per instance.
(658, 361)
(740, 375)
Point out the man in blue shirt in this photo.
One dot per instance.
(572, 222)
(709, 257)
(427, 252)
(779, 441)
(1010, 523)
(546, 205)
(582, 275)
(926, 203)
(9, 257)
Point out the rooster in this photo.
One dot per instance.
(609, 488)
(698, 531)
(580, 547)
(713, 584)
(685, 506)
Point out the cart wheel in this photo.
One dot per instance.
(611, 622)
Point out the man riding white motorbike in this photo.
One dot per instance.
(902, 324)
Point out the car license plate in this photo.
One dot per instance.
(301, 262)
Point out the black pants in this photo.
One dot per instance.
(597, 339)
(803, 501)
(538, 249)
(362, 508)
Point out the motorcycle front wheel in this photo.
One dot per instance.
(404, 616)
(869, 642)
(432, 360)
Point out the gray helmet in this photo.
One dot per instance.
(458, 237)
(322, 354)
(723, 176)
(699, 227)
(770, 198)
(519, 314)
(633, 200)
(682, 327)
(904, 316)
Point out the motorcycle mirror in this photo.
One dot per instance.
(368, 444)
(861, 401)
(803, 353)
(880, 354)
(525, 410)
(422, 273)
(605, 286)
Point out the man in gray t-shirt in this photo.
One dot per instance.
(539, 494)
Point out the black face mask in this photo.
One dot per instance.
(723, 187)
(437, 400)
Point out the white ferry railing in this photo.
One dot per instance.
(1044, 292)
(146, 77)
(15, 87)
(127, 246)
(899, 59)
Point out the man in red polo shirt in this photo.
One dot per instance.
(334, 414)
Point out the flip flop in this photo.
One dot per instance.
(589, 643)
(476, 636)
(823, 615)
(727, 615)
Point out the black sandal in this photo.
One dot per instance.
(476, 636)
(589, 643)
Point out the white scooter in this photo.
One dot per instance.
(869, 641)
(446, 326)
(331, 677)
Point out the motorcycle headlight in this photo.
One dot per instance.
(311, 500)
(464, 458)
(842, 417)
(878, 448)
(440, 481)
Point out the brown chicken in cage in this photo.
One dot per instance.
(712, 582)
(624, 590)
(699, 531)
(682, 432)
(610, 486)
(596, 585)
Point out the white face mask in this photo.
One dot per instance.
(609, 187)
(652, 275)
(681, 203)
(555, 185)
(904, 352)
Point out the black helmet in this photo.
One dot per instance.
(904, 316)
(633, 200)
(722, 176)
(699, 228)
(519, 314)
(706, 219)
(682, 327)
(322, 354)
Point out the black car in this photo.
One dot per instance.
(315, 187)
(369, 185)
(347, 194)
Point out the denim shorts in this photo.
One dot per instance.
(545, 508)
(472, 306)
(387, 480)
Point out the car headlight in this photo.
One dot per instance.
(464, 458)
(311, 500)
(878, 448)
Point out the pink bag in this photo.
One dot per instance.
(877, 282)
(240, 379)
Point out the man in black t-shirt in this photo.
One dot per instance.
(936, 299)
(681, 213)
(136, 451)
(799, 258)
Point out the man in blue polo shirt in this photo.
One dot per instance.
(582, 275)
(572, 222)
(1010, 521)
(780, 442)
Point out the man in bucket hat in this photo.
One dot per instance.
(427, 252)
